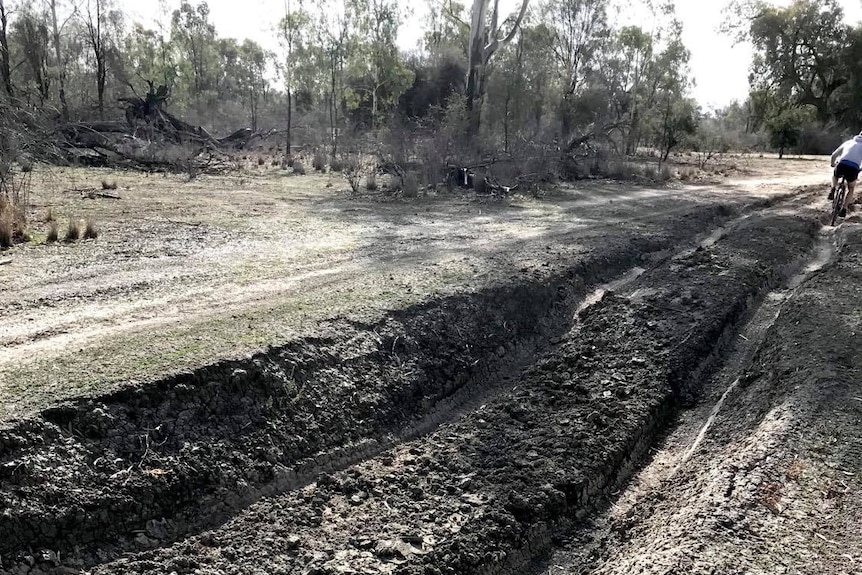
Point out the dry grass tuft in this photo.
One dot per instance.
(49, 215)
(53, 232)
(73, 233)
(90, 230)
(106, 185)
(6, 231)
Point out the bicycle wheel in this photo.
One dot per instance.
(838, 202)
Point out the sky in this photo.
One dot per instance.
(719, 69)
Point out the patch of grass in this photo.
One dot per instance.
(261, 161)
(53, 232)
(73, 232)
(299, 168)
(106, 185)
(49, 215)
(336, 165)
(91, 232)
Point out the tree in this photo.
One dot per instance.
(293, 29)
(31, 33)
(800, 49)
(94, 21)
(334, 39)
(252, 64)
(380, 71)
(485, 39)
(193, 33)
(578, 28)
(785, 128)
(5, 69)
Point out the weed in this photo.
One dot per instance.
(261, 161)
(49, 215)
(109, 185)
(73, 233)
(90, 230)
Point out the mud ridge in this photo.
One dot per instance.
(483, 494)
(148, 464)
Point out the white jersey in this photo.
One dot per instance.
(850, 153)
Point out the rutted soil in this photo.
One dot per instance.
(481, 494)
(774, 483)
(185, 274)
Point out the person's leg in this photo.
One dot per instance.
(851, 189)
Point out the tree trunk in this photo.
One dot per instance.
(289, 142)
(480, 54)
(476, 64)
(5, 71)
(61, 69)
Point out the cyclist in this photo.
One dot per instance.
(847, 160)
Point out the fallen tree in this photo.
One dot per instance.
(151, 138)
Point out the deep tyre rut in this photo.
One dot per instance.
(483, 494)
(775, 482)
(149, 464)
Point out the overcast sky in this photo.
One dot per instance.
(720, 70)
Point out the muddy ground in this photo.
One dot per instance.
(764, 476)
(498, 415)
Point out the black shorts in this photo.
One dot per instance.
(850, 173)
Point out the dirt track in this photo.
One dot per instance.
(477, 432)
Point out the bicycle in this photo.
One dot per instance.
(838, 202)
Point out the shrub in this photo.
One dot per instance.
(336, 165)
(90, 230)
(318, 163)
(299, 168)
(53, 232)
(261, 161)
(275, 162)
(665, 174)
(73, 233)
(410, 185)
(371, 182)
(109, 185)
(355, 168)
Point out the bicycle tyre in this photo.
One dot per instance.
(838, 202)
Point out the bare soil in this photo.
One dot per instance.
(609, 378)
(186, 273)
